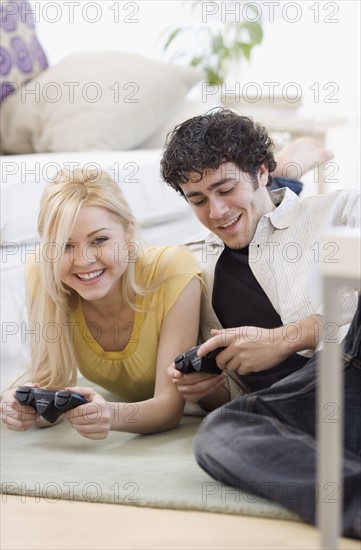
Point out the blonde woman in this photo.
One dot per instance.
(104, 306)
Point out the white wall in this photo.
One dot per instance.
(73, 26)
(321, 52)
(315, 45)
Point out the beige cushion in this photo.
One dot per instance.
(94, 101)
(188, 109)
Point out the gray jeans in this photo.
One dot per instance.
(265, 443)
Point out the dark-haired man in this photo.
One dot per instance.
(260, 261)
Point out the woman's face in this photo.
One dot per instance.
(95, 257)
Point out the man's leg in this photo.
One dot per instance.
(265, 442)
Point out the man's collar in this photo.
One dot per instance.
(286, 202)
(206, 237)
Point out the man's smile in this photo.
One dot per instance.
(230, 223)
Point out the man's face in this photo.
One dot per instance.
(229, 202)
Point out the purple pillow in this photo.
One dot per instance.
(21, 55)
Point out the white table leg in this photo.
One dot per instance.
(346, 271)
(330, 429)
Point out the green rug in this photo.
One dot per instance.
(142, 470)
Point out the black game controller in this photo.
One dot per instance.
(190, 362)
(49, 403)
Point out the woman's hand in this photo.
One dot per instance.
(16, 417)
(92, 420)
(196, 385)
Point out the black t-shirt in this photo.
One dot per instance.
(238, 300)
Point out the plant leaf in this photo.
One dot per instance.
(195, 61)
(255, 32)
(171, 37)
(246, 49)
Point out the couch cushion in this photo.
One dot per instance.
(94, 101)
(154, 203)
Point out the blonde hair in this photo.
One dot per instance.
(54, 364)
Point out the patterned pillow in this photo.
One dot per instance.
(21, 55)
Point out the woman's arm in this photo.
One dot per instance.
(162, 412)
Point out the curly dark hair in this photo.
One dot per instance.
(204, 142)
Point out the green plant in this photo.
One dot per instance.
(213, 48)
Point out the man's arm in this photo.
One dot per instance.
(254, 349)
(258, 349)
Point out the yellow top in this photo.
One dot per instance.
(130, 373)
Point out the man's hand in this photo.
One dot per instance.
(253, 349)
(92, 420)
(248, 349)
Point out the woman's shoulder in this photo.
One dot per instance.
(172, 255)
(157, 263)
